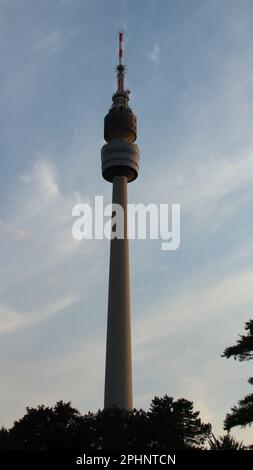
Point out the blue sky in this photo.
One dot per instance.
(189, 66)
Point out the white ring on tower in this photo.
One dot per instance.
(120, 158)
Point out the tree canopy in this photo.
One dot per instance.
(242, 414)
(243, 349)
(225, 442)
(168, 424)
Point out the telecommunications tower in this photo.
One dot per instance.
(120, 165)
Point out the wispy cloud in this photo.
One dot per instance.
(42, 177)
(51, 42)
(213, 190)
(181, 340)
(154, 55)
(12, 320)
(198, 300)
(8, 231)
(37, 245)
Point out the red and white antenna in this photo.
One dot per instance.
(121, 67)
(121, 40)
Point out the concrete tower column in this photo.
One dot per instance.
(118, 374)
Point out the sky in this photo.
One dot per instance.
(189, 67)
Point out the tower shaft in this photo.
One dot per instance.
(118, 375)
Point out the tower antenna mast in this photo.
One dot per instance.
(121, 66)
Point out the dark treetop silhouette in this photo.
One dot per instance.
(168, 424)
(241, 415)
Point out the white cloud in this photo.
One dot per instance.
(212, 190)
(37, 247)
(43, 178)
(51, 42)
(199, 299)
(154, 55)
(12, 320)
(8, 231)
(177, 346)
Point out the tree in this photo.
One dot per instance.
(225, 442)
(241, 415)
(174, 424)
(168, 424)
(6, 442)
(45, 428)
(243, 349)
(111, 427)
